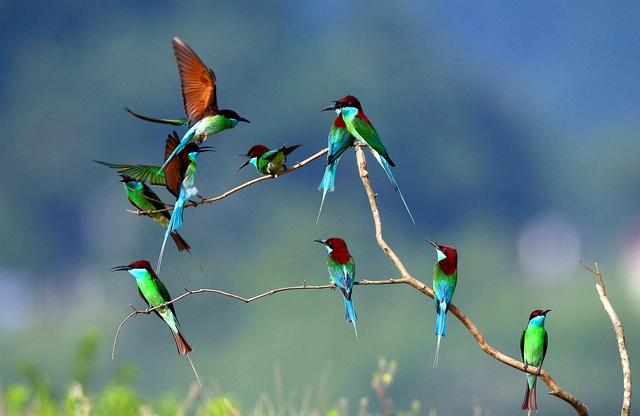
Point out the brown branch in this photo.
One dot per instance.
(237, 188)
(622, 346)
(245, 300)
(406, 278)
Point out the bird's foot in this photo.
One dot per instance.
(525, 366)
(539, 369)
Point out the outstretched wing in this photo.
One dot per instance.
(198, 83)
(172, 168)
(140, 172)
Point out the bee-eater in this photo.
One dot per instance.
(268, 162)
(533, 346)
(154, 293)
(143, 198)
(171, 176)
(342, 271)
(182, 169)
(359, 126)
(339, 140)
(445, 277)
(198, 85)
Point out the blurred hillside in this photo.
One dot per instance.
(515, 132)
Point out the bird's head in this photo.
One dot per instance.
(348, 101)
(255, 152)
(537, 313)
(447, 256)
(136, 267)
(337, 249)
(233, 116)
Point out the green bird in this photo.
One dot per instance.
(154, 293)
(533, 346)
(268, 162)
(143, 198)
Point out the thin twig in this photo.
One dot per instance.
(245, 300)
(237, 188)
(622, 346)
(406, 278)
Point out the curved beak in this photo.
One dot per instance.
(206, 149)
(433, 243)
(321, 241)
(244, 164)
(544, 312)
(120, 268)
(244, 119)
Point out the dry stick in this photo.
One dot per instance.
(622, 346)
(237, 188)
(580, 408)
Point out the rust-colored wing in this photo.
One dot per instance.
(172, 169)
(198, 83)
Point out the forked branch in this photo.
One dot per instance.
(580, 408)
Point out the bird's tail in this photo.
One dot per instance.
(182, 344)
(186, 139)
(385, 165)
(194, 369)
(529, 402)
(174, 222)
(327, 183)
(350, 313)
(441, 330)
(180, 243)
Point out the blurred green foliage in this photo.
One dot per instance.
(35, 397)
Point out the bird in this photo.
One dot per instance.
(533, 347)
(339, 140)
(143, 198)
(445, 277)
(170, 177)
(198, 85)
(359, 126)
(342, 271)
(154, 293)
(268, 162)
(180, 176)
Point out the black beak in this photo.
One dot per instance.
(203, 149)
(120, 268)
(433, 243)
(244, 119)
(244, 164)
(331, 107)
(544, 312)
(321, 241)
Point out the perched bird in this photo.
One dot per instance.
(154, 293)
(339, 140)
(342, 271)
(143, 198)
(268, 162)
(198, 85)
(445, 277)
(533, 346)
(359, 126)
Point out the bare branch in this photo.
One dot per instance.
(622, 346)
(237, 188)
(245, 300)
(406, 278)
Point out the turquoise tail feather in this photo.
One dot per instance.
(174, 223)
(327, 184)
(441, 330)
(385, 165)
(186, 139)
(350, 313)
